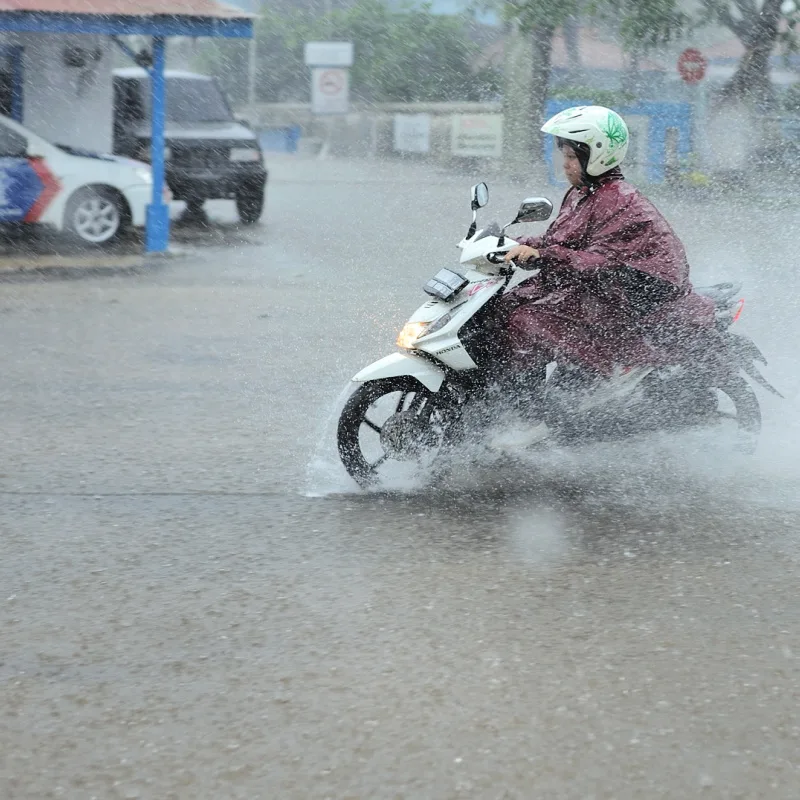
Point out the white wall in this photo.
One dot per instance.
(68, 105)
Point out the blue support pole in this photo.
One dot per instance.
(17, 84)
(157, 234)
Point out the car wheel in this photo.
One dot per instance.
(96, 216)
(250, 204)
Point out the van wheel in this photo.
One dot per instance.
(250, 204)
(96, 216)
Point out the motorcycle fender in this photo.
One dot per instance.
(397, 364)
(747, 352)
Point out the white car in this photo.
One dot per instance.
(93, 197)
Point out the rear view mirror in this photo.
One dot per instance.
(480, 196)
(534, 209)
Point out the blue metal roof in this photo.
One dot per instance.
(119, 25)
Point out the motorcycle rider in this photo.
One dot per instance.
(613, 294)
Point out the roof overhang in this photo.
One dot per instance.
(126, 25)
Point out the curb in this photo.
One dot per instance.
(14, 269)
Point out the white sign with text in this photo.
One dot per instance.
(478, 135)
(329, 54)
(412, 133)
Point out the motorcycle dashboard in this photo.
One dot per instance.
(445, 285)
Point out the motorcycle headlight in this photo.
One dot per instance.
(410, 333)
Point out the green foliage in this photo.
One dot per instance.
(407, 56)
(643, 24)
(535, 14)
(598, 97)
(410, 55)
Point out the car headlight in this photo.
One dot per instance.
(410, 333)
(144, 175)
(242, 154)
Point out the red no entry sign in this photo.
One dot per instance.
(692, 65)
(331, 81)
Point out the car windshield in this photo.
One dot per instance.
(193, 100)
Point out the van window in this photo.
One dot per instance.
(192, 100)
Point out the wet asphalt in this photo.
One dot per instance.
(196, 602)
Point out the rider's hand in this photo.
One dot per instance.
(522, 253)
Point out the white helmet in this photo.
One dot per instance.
(602, 129)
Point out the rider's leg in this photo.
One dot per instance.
(525, 387)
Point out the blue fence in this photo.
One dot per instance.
(662, 118)
(280, 140)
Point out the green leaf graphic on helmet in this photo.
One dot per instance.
(615, 130)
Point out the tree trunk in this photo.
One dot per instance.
(572, 28)
(527, 71)
(517, 102)
(758, 34)
(541, 67)
(632, 74)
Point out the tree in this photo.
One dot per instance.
(756, 24)
(409, 55)
(641, 23)
(759, 26)
(538, 20)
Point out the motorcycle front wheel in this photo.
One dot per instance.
(389, 420)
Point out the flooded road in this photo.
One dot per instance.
(195, 601)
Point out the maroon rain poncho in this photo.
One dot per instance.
(614, 279)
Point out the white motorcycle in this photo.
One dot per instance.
(443, 386)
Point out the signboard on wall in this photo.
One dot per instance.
(330, 90)
(412, 133)
(329, 54)
(478, 135)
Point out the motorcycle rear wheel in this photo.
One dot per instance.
(368, 437)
